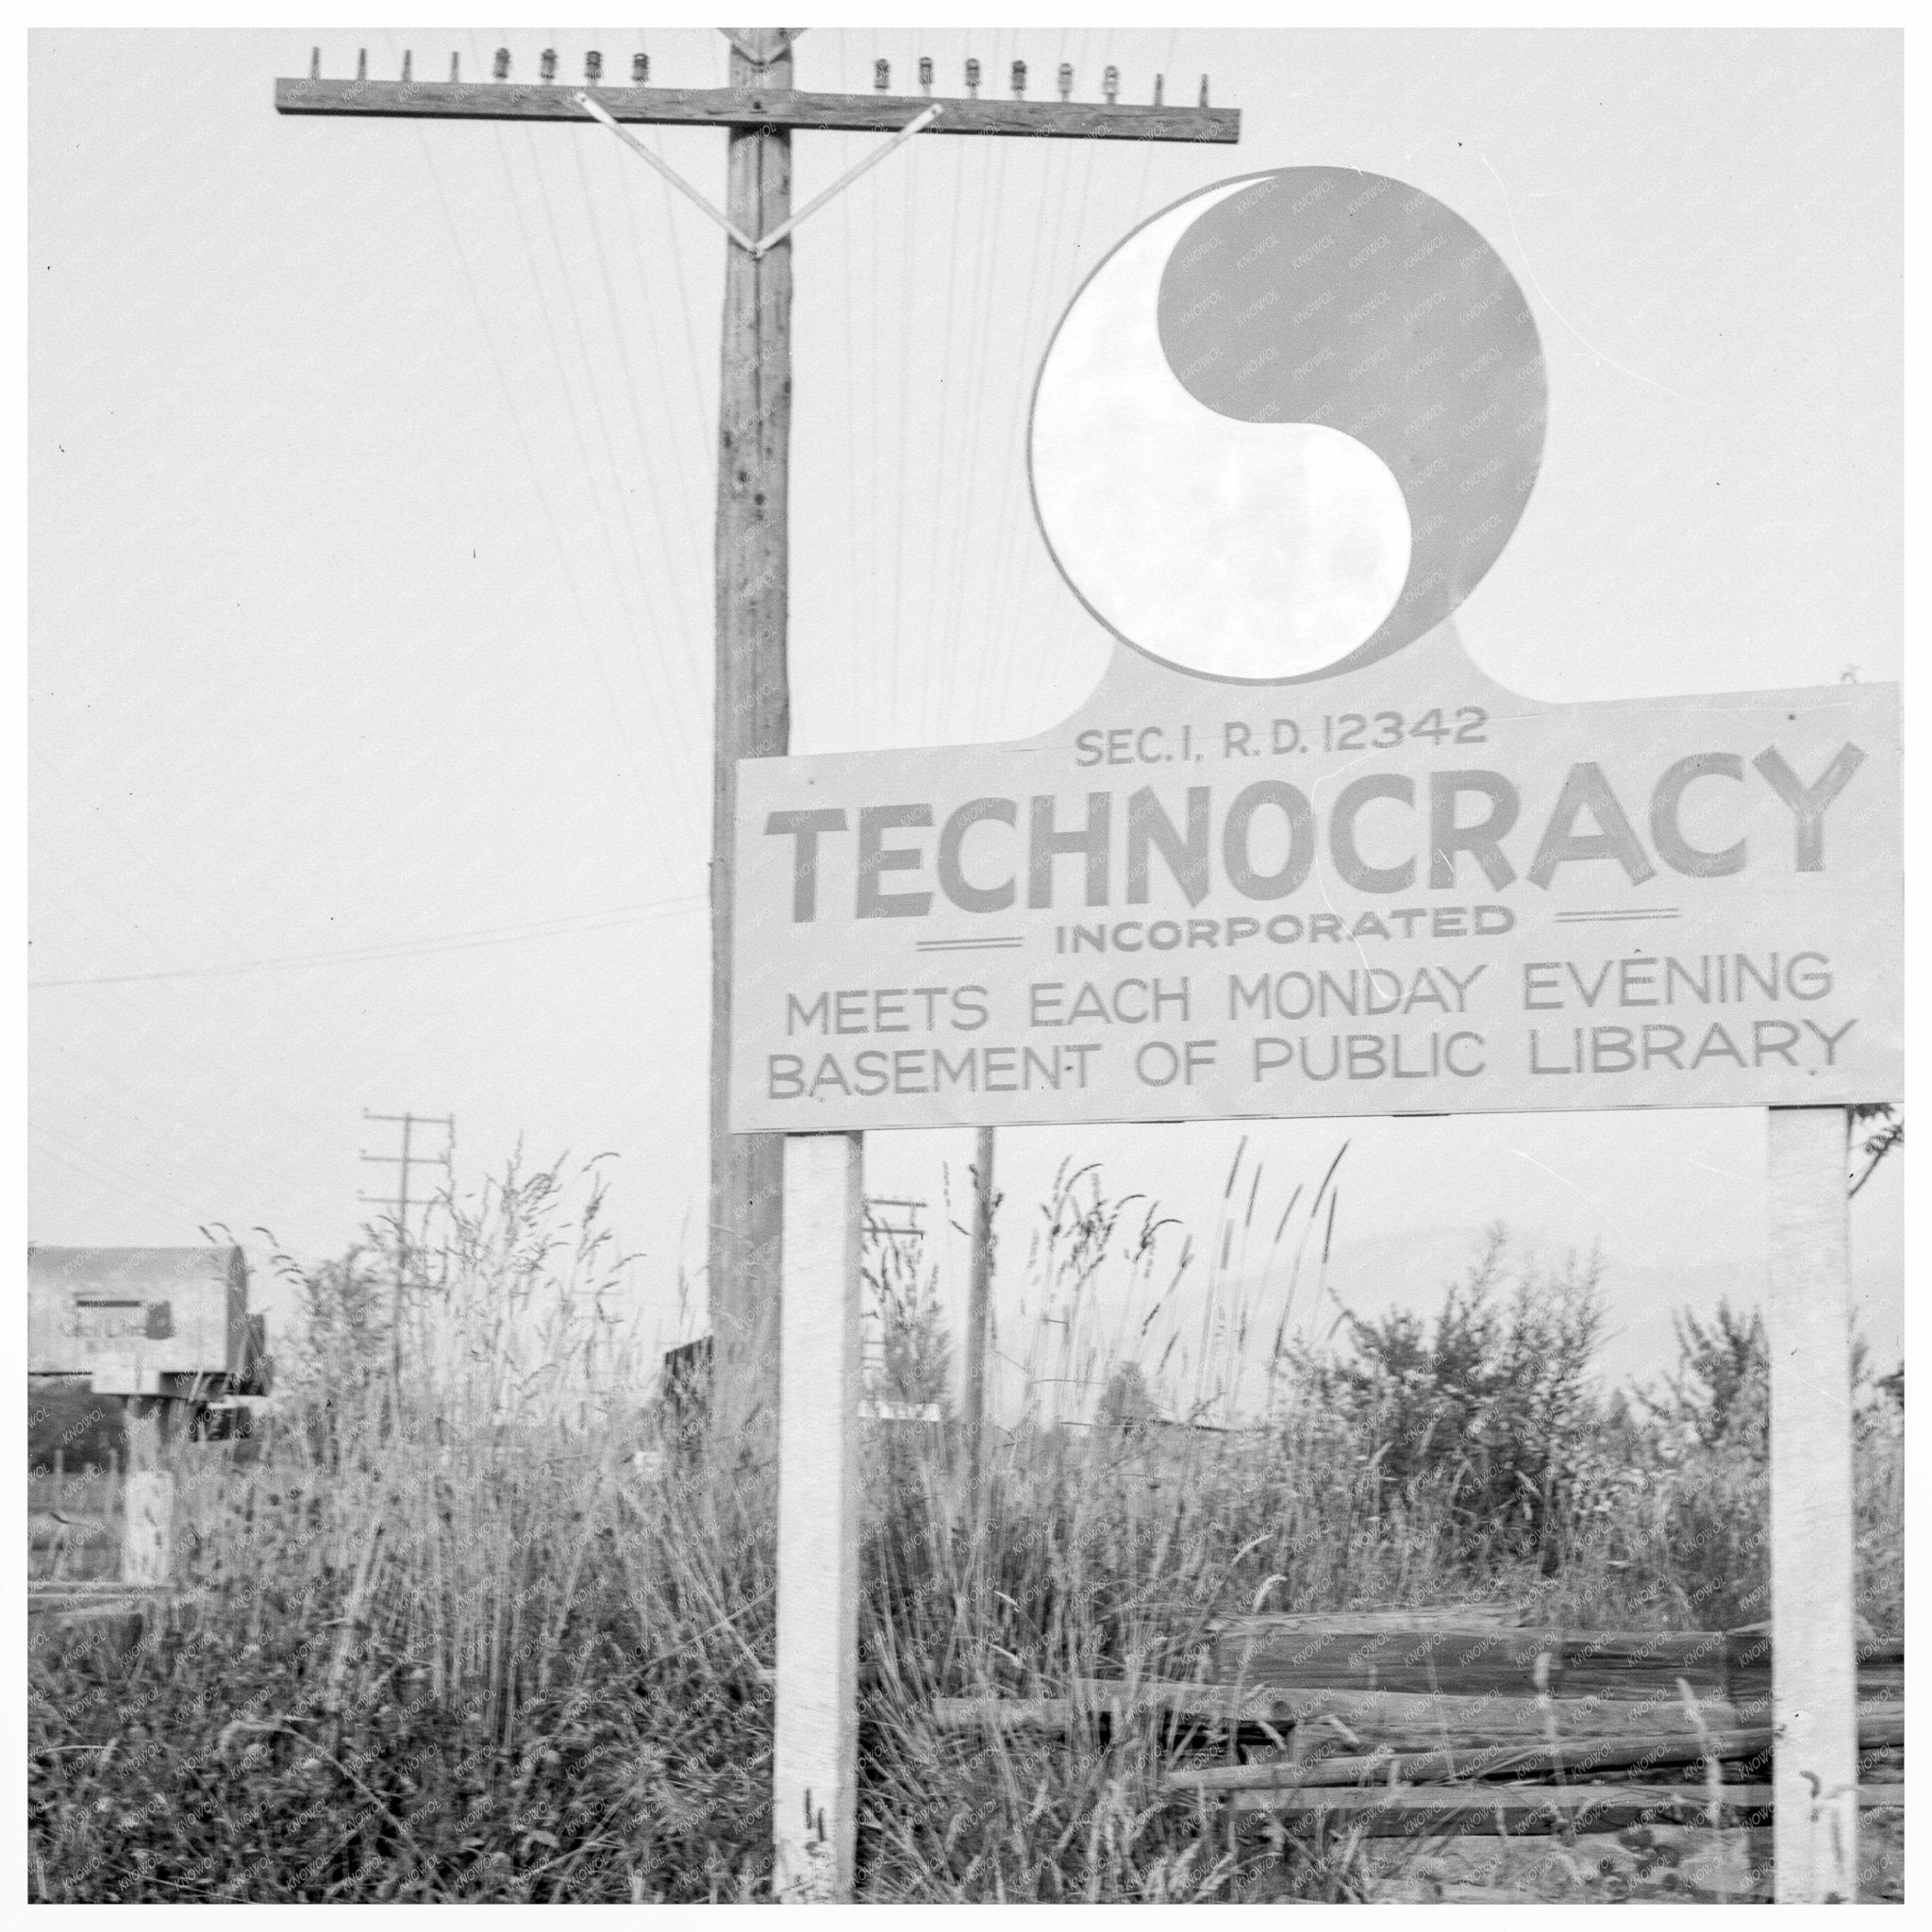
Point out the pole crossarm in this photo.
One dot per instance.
(730, 107)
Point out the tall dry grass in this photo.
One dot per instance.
(507, 1638)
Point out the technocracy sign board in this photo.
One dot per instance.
(1402, 892)
(1298, 856)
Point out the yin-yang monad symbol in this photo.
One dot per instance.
(1287, 426)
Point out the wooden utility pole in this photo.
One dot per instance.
(752, 714)
(758, 110)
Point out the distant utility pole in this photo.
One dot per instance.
(752, 718)
(978, 1313)
(398, 1205)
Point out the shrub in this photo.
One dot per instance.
(1487, 1410)
(915, 1351)
(1720, 1392)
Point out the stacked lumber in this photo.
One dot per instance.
(1471, 1719)
(1655, 1727)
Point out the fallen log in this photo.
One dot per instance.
(1580, 1757)
(1748, 1648)
(1002, 1713)
(91, 1588)
(1481, 1614)
(1749, 1688)
(1754, 1706)
(1092, 1697)
(1357, 1719)
(1463, 1657)
(75, 1602)
(1505, 1810)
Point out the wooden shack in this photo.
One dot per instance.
(171, 1323)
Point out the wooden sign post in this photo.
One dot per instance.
(147, 1501)
(147, 1526)
(1813, 1562)
(815, 1751)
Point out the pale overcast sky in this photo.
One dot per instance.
(372, 468)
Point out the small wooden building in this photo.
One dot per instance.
(146, 1321)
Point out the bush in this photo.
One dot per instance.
(1488, 1411)
(1720, 1394)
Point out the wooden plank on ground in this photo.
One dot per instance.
(1503, 1809)
(1413, 1719)
(1874, 1680)
(1002, 1713)
(81, 1601)
(1350, 1719)
(1094, 1697)
(1754, 1705)
(1482, 1613)
(1578, 1756)
(1749, 1648)
(1463, 1657)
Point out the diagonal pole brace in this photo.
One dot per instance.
(916, 125)
(669, 172)
(765, 244)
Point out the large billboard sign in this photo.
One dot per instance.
(1403, 890)
(1298, 855)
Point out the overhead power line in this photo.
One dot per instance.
(410, 949)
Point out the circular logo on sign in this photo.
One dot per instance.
(1286, 426)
